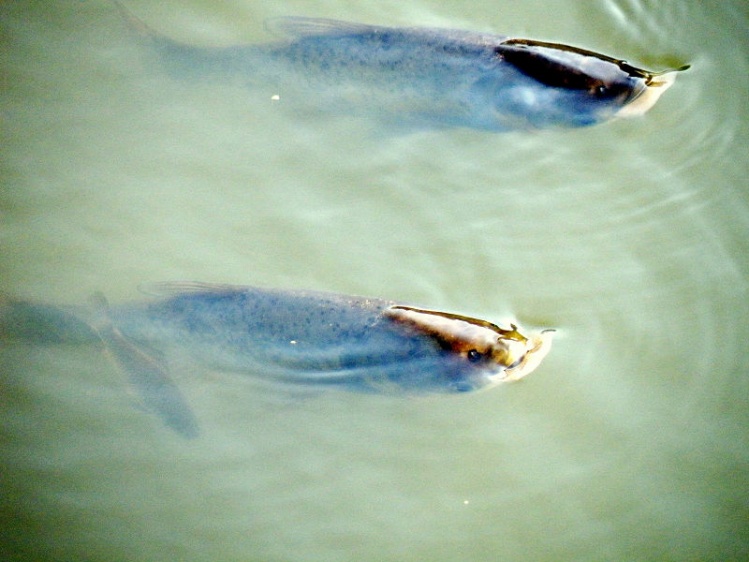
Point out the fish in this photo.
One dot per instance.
(295, 338)
(423, 78)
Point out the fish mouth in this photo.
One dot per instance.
(653, 86)
(539, 346)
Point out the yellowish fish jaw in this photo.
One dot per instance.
(653, 88)
(536, 347)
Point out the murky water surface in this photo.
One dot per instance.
(629, 442)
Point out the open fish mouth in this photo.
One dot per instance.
(539, 346)
(654, 86)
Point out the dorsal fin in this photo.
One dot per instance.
(173, 288)
(294, 27)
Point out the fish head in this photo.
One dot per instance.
(486, 354)
(560, 85)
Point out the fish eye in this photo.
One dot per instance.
(474, 356)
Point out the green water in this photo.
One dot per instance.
(630, 442)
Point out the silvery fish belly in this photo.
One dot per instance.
(295, 337)
(427, 78)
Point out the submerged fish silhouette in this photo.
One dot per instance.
(427, 77)
(296, 337)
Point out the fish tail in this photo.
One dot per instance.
(147, 371)
(136, 25)
(25, 321)
(43, 324)
(148, 36)
(180, 59)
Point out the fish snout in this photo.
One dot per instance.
(650, 90)
(536, 349)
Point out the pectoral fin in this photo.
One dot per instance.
(148, 374)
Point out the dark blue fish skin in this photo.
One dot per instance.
(424, 77)
(301, 338)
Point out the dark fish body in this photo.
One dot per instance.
(295, 337)
(303, 337)
(425, 77)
